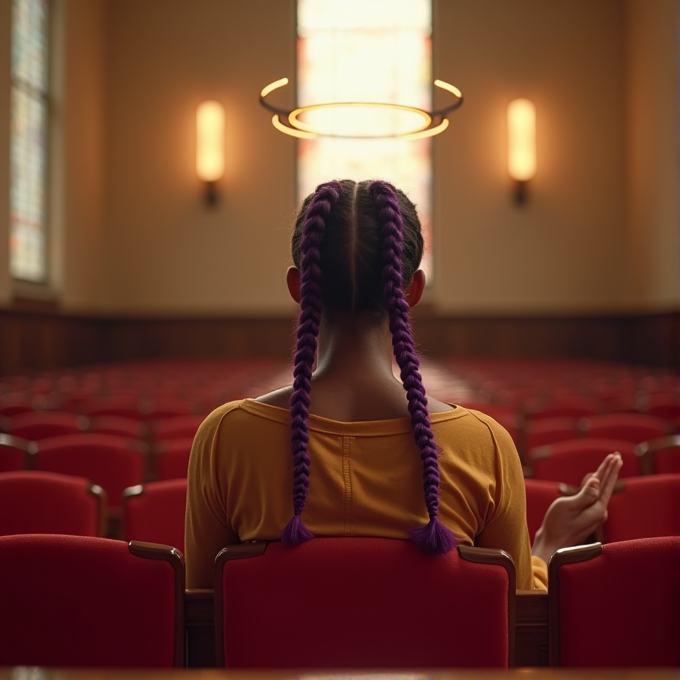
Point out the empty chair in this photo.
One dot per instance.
(642, 507)
(565, 408)
(569, 461)
(540, 494)
(616, 605)
(33, 502)
(363, 603)
(663, 405)
(120, 426)
(43, 424)
(549, 430)
(171, 458)
(114, 463)
(632, 427)
(13, 453)
(180, 427)
(77, 601)
(660, 455)
(14, 403)
(155, 512)
(161, 408)
(123, 405)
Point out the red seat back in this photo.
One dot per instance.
(33, 502)
(114, 463)
(76, 601)
(172, 458)
(569, 461)
(660, 456)
(13, 453)
(155, 512)
(642, 507)
(616, 605)
(362, 603)
(42, 424)
(632, 427)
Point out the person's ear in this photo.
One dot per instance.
(415, 289)
(293, 283)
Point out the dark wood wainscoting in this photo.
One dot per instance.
(40, 339)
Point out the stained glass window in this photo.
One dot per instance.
(370, 51)
(28, 140)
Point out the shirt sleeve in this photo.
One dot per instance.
(507, 528)
(207, 527)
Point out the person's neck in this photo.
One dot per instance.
(353, 345)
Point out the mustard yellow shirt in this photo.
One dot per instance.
(365, 480)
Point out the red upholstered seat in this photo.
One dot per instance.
(76, 601)
(565, 408)
(180, 427)
(616, 605)
(14, 403)
(569, 461)
(155, 512)
(110, 461)
(172, 458)
(13, 453)
(120, 426)
(642, 507)
(549, 430)
(341, 603)
(660, 455)
(633, 427)
(42, 424)
(33, 502)
(540, 494)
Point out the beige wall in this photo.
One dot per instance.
(599, 233)
(653, 93)
(562, 251)
(79, 158)
(166, 251)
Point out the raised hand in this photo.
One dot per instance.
(569, 520)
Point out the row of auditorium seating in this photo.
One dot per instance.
(45, 502)
(144, 390)
(71, 601)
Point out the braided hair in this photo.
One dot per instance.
(357, 246)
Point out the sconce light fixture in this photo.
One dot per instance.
(210, 147)
(521, 145)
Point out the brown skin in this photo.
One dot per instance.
(354, 381)
(354, 378)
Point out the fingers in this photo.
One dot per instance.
(587, 495)
(614, 464)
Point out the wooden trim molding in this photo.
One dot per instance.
(42, 338)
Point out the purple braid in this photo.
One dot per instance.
(434, 536)
(307, 333)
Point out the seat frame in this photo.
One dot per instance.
(580, 553)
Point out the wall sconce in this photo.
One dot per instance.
(521, 145)
(210, 147)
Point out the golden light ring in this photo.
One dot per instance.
(289, 122)
(295, 122)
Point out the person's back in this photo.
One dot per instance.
(361, 452)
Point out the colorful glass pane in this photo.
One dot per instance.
(369, 51)
(28, 144)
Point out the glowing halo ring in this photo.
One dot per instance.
(287, 120)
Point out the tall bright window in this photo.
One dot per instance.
(370, 51)
(28, 140)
